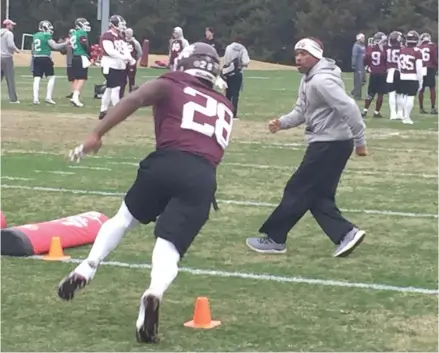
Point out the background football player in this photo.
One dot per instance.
(80, 59)
(429, 52)
(376, 61)
(393, 48)
(411, 76)
(42, 64)
(115, 57)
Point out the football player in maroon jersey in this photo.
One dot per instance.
(392, 49)
(376, 60)
(430, 60)
(411, 76)
(176, 183)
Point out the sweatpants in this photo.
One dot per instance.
(312, 188)
(7, 71)
(234, 84)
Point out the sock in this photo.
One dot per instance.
(115, 95)
(400, 102)
(75, 95)
(50, 87)
(421, 99)
(409, 103)
(367, 102)
(36, 88)
(111, 233)
(165, 258)
(379, 103)
(433, 97)
(392, 103)
(106, 99)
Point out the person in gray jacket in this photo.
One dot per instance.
(8, 48)
(333, 126)
(358, 53)
(235, 59)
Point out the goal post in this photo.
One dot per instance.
(23, 41)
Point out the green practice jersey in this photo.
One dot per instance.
(40, 44)
(75, 41)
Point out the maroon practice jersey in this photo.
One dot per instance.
(175, 49)
(132, 49)
(407, 59)
(392, 54)
(193, 118)
(116, 38)
(429, 54)
(376, 59)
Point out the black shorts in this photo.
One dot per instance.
(115, 78)
(78, 72)
(430, 78)
(408, 87)
(395, 84)
(377, 84)
(43, 66)
(70, 74)
(178, 188)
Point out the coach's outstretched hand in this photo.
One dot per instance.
(274, 125)
(91, 145)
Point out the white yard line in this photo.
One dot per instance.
(266, 277)
(88, 168)
(291, 169)
(230, 202)
(59, 172)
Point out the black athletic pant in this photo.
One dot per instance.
(234, 84)
(312, 187)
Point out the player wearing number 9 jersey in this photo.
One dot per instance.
(376, 60)
(429, 52)
(411, 76)
(175, 183)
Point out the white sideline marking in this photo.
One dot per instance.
(230, 202)
(264, 277)
(88, 168)
(54, 172)
(16, 178)
(278, 167)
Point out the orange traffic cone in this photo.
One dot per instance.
(202, 318)
(56, 252)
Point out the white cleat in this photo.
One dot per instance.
(49, 101)
(407, 121)
(147, 323)
(36, 102)
(77, 279)
(76, 103)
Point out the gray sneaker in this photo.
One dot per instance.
(266, 246)
(349, 243)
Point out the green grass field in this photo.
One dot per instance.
(381, 298)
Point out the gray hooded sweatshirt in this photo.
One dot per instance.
(324, 106)
(236, 51)
(7, 45)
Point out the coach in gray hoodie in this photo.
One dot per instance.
(333, 126)
(8, 48)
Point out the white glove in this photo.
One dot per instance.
(76, 154)
(220, 83)
(132, 61)
(421, 83)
